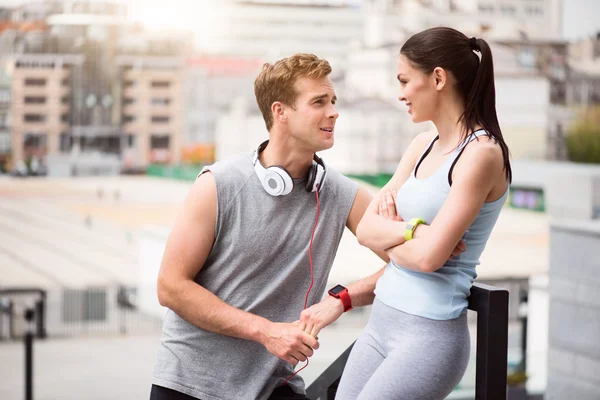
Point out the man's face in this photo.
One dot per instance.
(311, 121)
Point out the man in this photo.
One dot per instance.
(247, 254)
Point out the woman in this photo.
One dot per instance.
(452, 186)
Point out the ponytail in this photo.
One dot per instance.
(480, 104)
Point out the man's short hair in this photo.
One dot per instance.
(276, 81)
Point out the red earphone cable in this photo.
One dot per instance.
(312, 275)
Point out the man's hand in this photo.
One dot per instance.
(289, 343)
(318, 316)
(387, 206)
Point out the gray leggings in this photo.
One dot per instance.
(406, 357)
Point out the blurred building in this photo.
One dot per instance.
(5, 141)
(151, 109)
(85, 80)
(393, 21)
(275, 29)
(584, 62)
(212, 83)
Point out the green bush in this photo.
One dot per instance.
(583, 143)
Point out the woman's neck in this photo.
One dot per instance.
(450, 130)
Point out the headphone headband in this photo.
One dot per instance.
(277, 181)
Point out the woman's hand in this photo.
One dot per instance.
(387, 206)
(318, 316)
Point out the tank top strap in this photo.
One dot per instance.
(469, 139)
(424, 154)
(459, 150)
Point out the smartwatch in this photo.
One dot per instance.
(411, 226)
(340, 292)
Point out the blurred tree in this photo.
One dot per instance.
(583, 140)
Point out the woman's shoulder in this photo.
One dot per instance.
(420, 142)
(484, 152)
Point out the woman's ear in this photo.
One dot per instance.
(441, 78)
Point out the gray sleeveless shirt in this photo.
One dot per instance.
(259, 264)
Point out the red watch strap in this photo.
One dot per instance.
(346, 300)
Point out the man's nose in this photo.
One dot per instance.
(333, 113)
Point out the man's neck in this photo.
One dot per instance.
(287, 154)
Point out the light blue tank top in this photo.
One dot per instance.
(442, 294)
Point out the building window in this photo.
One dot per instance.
(160, 84)
(509, 10)
(130, 141)
(65, 82)
(128, 118)
(129, 83)
(35, 100)
(34, 118)
(3, 121)
(35, 82)
(160, 101)
(160, 119)
(535, 11)
(34, 140)
(128, 101)
(4, 97)
(5, 143)
(159, 141)
(65, 118)
(65, 142)
(65, 100)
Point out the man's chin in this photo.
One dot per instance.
(326, 146)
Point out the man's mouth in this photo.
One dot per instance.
(327, 129)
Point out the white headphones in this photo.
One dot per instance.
(278, 182)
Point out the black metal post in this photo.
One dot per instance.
(40, 320)
(11, 321)
(491, 305)
(29, 366)
(524, 300)
(29, 315)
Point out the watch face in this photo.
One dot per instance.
(337, 289)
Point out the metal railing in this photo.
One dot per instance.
(491, 305)
(63, 312)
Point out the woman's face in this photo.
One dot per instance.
(417, 91)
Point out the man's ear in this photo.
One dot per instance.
(278, 110)
(441, 78)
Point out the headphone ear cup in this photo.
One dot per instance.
(312, 175)
(277, 182)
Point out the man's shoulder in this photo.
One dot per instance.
(339, 183)
(232, 167)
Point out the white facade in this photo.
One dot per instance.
(524, 113)
(392, 22)
(279, 29)
(211, 84)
